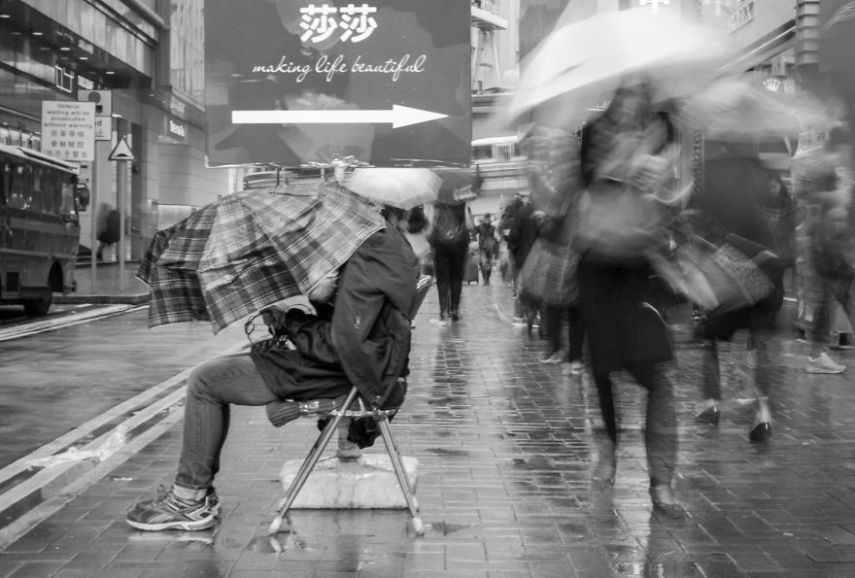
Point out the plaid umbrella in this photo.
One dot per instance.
(249, 250)
(458, 185)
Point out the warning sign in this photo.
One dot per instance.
(68, 130)
(122, 151)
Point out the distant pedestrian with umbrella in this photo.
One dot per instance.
(362, 340)
(449, 236)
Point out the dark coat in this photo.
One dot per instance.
(732, 201)
(366, 340)
(523, 233)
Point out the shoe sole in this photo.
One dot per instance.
(185, 526)
(825, 371)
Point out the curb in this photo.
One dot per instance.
(133, 299)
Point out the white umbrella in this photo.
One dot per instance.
(580, 64)
(739, 108)
(403, 188)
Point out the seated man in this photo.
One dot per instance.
(364, 340)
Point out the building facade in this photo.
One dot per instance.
(146, 56)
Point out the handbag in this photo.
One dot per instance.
(726, 275)
(617, 221)
(548, 275)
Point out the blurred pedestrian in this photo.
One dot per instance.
(108, 229)
(449, 240)
(622, 299)
(737, 193)
(487, 245)
(521, 236)
(826, 185)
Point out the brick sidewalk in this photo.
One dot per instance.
(505, 448)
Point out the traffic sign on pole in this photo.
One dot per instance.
(122, 151)
(298, 81)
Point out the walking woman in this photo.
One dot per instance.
(449, 241)
(622, 299)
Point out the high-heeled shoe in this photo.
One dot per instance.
(664, 502)
(709, 416)
(761, 433)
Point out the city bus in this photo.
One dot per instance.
(39, 227)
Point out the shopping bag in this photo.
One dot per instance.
(729, 274)
(548, 275)
(617, 221)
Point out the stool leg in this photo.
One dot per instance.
(401, 474)
(309, 464)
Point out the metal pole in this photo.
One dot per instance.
(121, 202)
(93, 234)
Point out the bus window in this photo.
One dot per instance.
(482, 153)
(18, 190)
(4, 183)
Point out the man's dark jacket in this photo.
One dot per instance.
(366, 340)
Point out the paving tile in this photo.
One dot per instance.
(506, 446)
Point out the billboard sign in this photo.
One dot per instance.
(68, 130)
(292, 82)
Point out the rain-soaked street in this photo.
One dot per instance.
(505, 447)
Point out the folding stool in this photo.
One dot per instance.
(351, 406)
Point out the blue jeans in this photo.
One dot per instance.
(211, 388)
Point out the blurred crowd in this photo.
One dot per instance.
(607, 240)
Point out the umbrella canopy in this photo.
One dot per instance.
(738, 108)
(579, 65)
(243, 253)
(458, 185)
(404, 188)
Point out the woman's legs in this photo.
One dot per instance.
(607, 460)
(211, 388)
(607, 404)
(553, 319)
(442, 270)
(660, 436)
(456, 269)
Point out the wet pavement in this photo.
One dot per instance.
(506, 447)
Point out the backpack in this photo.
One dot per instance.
(448, 228)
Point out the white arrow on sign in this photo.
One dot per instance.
(398, 116)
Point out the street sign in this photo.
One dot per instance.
(103, 128)
(103, 100)
(299, 81)
(68, 130)
(122, 151)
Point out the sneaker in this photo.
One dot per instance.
(556, 357)
(167, 512)
(572, 368)
(824, 364)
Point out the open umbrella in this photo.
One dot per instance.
(458, 185)
(245, 252)
(580, 64)
(404, 188)
(739, 108)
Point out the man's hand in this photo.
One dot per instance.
(274, 318)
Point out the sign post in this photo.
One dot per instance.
(68, 132)
(293, 82)
(121, 153)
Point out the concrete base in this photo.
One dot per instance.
(368, 482)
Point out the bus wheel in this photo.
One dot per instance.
(38, 307)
